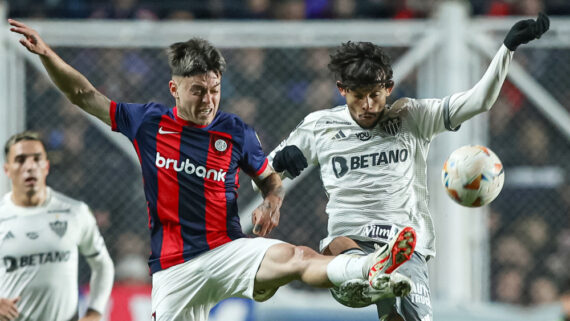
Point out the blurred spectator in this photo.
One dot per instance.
(289, 10)
(510, 251)
(181, 15)
(534, 231)
(510, 285)
(542, 290)
(499, 8)
(123, 9)
(533, 142)
(529, 7)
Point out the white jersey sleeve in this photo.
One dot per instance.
(92, 247)
(434, 116)
(482, 96)
(302, 137)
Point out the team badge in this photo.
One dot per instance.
(59, 227)
(220, 144)
(391, 125)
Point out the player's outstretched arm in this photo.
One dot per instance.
(70, 81)
(266, 216)
(482, 96)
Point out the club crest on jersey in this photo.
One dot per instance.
(391, 126)
(220, 144)
(59, 227)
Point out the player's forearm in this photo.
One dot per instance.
(101, 282)
(482, 96)
(272, 188)
(75, 86)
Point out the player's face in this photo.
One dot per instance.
(27, 167)
(197, 97)
(366, 104)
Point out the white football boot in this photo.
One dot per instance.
(358, 293)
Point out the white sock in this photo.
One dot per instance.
(346, 267)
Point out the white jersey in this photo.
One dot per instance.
(376, 178)
(38, 254)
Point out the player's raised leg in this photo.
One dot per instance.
(284, 263)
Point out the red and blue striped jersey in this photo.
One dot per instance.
(190, 176)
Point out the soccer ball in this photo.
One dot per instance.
(473, 176)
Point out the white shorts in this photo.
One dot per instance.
(189, 290)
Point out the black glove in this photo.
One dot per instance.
(290, 159)
(526, 30)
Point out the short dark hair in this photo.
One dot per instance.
(23, 136)
(193, 57)
(361, 64)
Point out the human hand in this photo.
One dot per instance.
(91, 315)
(31, 40)
(266, 216)
(290, 159)
(8, 309)
(526, 30)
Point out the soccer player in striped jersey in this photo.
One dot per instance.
(41, 234)
(372, 158)
(190, 157)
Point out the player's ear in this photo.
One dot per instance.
(389, 87)
(341, 89)
(173, 88)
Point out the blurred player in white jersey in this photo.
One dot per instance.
(372, 158)
(41, 234)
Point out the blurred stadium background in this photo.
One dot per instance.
(506, 261)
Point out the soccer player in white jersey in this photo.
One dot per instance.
(41, 234)
(372, 156)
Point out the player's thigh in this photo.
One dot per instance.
(275, 268)
(237, 269)
(195, 286)
(177, 288)
(283, 263)
(417, 305)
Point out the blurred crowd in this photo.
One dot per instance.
(268, 9)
